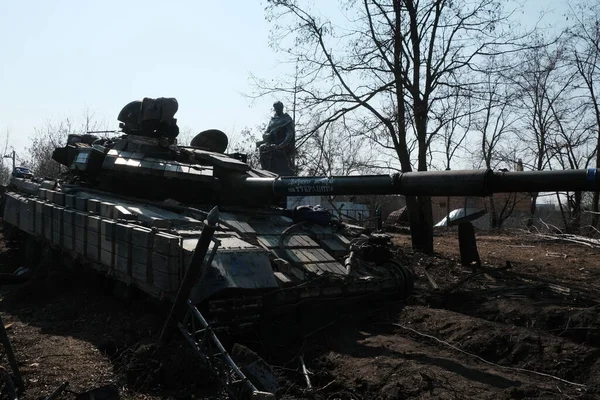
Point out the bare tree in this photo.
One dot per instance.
(245, 143)
(495, 123)
(585, 33)
(51, 135)
(544, 82)
(5, 170)
(331, 153)
(185, 136)
(571, 148)
(454, 117)
(387, 61)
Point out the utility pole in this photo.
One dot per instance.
(295, 93)
(13, 159)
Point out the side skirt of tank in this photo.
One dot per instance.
(91, 239)
(39, 250)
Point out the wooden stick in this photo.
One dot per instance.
(431, 280)
(305, 372)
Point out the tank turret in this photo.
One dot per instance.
(139, 165)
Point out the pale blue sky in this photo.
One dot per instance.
(59, 57)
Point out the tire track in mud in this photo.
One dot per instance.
(560, 311)
(386, 362)
(580, 324)
(510, 345)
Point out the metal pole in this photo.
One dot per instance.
(13, 158)
(191, 275)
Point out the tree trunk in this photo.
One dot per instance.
(595, 209)
(532, 204)
(562, 212)
(419, 208)
(494, 222)
(576, 216)
(596, 197)
(425, 229)
(420, 218)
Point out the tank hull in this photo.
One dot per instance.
(257, 261)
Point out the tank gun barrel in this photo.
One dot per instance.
(429, 183)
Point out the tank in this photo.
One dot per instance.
(133, 206)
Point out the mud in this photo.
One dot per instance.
(529, 329)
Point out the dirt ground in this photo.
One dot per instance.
(527, 328)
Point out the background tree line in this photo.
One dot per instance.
(442, 84)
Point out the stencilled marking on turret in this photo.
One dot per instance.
(320, 185)
(310, 189)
